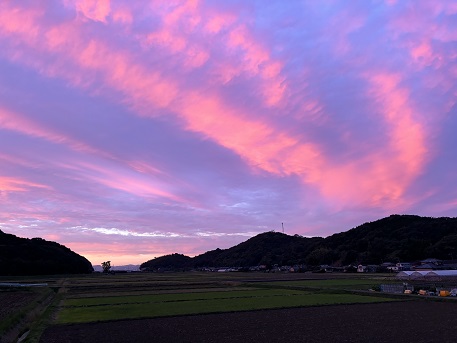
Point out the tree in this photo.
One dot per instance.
(106, 266)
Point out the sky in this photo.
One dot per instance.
(134, 129)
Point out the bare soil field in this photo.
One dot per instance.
(410, 321)
(11, 301)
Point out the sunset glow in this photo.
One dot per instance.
(134, 129)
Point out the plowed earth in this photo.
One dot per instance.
(411, 321)
(10, 302)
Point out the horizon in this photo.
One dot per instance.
(113, 266)
(130, 131)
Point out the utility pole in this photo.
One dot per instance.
(282, 227)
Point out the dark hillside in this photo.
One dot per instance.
(264, 249)
(395, 238)
(36, 256)
(207, 259)
(172, 261)
(267, 249)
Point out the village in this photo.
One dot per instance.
(429, 264)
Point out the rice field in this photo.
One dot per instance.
(100, 298)
(104, 309)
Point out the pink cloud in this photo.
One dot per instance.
(137, 181)
(218, 22)
(342, 26)
(122, 15)
(15, 160)
(423, 53)
(261, 145)
(13, 184)
(97, 10)
(407, 135)
(16, 122)
(257, 61)
(181, 30)
(127, 75)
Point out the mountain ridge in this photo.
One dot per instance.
(394, 238)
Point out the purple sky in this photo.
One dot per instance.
(133, 129)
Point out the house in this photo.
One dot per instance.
(387, 267)
(403, 266)
(361, 269)
(429, 264)
(431, 261)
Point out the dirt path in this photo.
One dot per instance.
(417, 321)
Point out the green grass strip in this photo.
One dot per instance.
(167, 297)
(132, 311)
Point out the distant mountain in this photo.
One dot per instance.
(36, 256)
(128, 267)
(395, 238)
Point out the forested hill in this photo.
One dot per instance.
(398, 237)
(36, 256)
(266, 248)
(395, 238)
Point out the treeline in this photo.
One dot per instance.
(395, 238)
(36, 256)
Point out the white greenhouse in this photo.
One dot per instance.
(435, 275)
